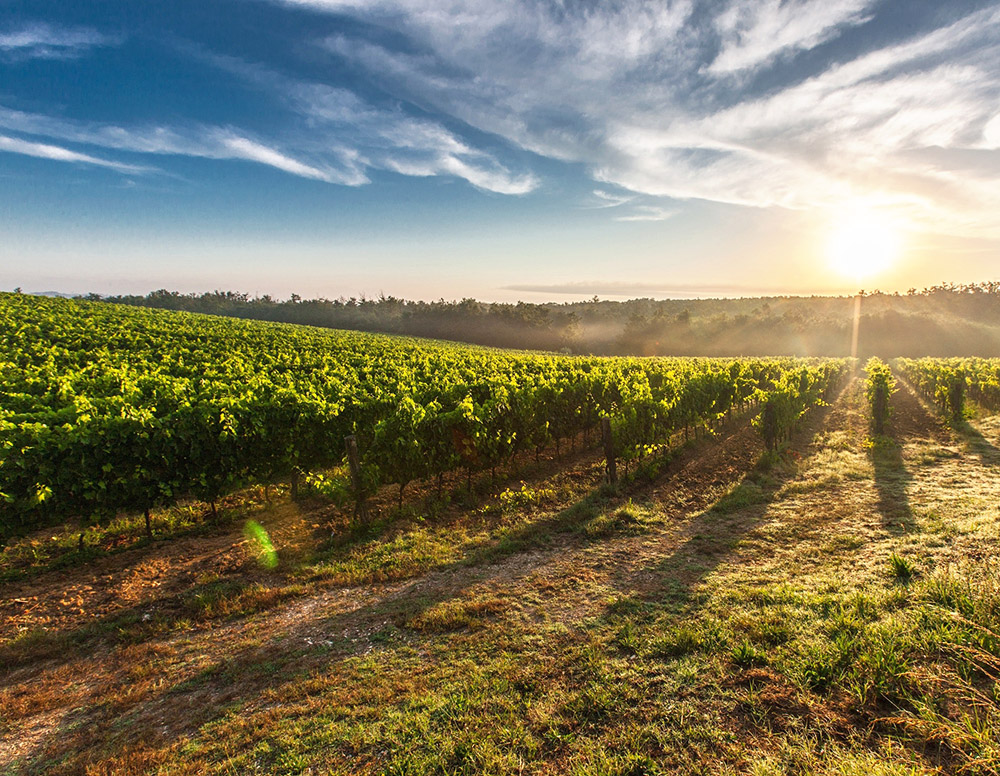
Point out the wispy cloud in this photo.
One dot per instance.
(342, 138)
(772, 103)
(44, 41)
(754, 33)
(701, 100)
(380, 138)
(330, 133)
(206, 142)
(57, 153)
(648, 213)
(244, 148)
(991, 133)
(609, 199)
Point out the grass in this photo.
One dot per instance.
(903, 569)
(59, 547)
(730, 616)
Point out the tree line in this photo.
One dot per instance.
(942, 320)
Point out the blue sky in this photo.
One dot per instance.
(508, 149)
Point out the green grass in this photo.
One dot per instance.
(903, 569)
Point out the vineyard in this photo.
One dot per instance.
(108, 409)
(947, 382)
(376, 555)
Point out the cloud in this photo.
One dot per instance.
(648, 213)
(798, 104)
(244, 148)
(756, 32)
(608, 199)
(342, 137)
(330, 134)
(638, 212)
(44, 41)
(380, 137)
(392, 140)
(57, 153)
(714, 101)
(991, 133)
(208, 142)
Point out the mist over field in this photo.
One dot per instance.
(945, 320)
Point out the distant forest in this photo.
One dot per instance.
(945, 320)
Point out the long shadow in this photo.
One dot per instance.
(132, 624)
(715, 532)
(237, 676)
(892, 481)
(978, 445)
(569, 526)
(128, 624)
(910, 420)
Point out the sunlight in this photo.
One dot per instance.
(863, 244)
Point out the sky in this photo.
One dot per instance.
(499, 149)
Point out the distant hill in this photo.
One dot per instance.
(946, 320)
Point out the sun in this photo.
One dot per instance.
(863, 244)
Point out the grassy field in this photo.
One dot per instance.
(832, 610)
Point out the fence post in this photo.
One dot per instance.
(609, 450)
(351, 446)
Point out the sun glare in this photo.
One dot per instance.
(863, 245)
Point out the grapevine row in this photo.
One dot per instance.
(949, 381)
(878, 388)
(943, 381)
(106, 409)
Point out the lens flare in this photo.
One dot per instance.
(258, 537)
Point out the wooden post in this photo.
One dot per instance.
(609, 450)
(351, 446)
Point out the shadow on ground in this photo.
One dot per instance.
(284, 647)
(978, 445)
(714, 533)
(892, 481)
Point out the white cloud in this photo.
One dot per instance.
(608, 199)
(243, 148)
(496, 180)
(380, 138)
(669, 290)
(343, 137)
(991, 133)
(648, 213)
(644, 95)
(44, 41)
(198, 141)
(57, 153)
(755, 32)
(681, 99)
